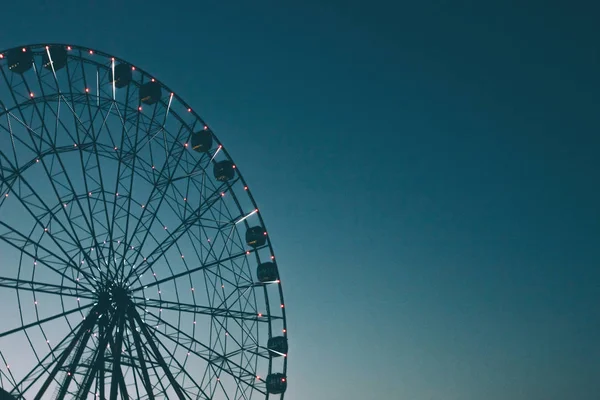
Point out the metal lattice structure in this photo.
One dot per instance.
(133, 260)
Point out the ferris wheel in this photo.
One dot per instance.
(134, 261)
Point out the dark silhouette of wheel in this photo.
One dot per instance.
(134, 262)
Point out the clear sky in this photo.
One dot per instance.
(428, 172)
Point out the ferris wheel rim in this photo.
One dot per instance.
(196, 116)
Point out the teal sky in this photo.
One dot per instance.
(428, 172)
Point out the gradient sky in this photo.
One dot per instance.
(428, 172)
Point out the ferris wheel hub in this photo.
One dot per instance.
(120, 295)
(114, 297)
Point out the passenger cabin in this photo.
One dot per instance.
(267, 272)
(123, 75)
(150, 92)
(256, 236)
(278, 346)
(224, 171)
(202, 141)
(276, 383)
(57, 59)
(19, 60)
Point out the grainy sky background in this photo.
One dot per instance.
(428, 172)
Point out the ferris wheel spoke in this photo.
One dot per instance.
(143, 226)
(174, 236)
(243, 372)
(137, 340)
(188, 272)
(235, 269)
(240, 291)
(70, 218)
(105, 332)
(156, 196)
(43, 321)
(117, 379)
(183, 370)
(156, 353)
(228, 241)
(200, 248)
(9, 376)
(95, 368)
(242, 348)
(86, 167)
(202, 310)
(158, 377)
(120, 268)
(21, 242)
(135, 371)
(121, 172)
(213, 240)
(96, 365)
(31, 199)
(242, 323)
(94, 136)
(74, 362)
(22, 120)
(82, 335)
(42, 287)
(54, 176)
(219, 383)
(242, 376)
(16, 139)
(193, 238)
(49, 98)
(20, 170)
(44, 364)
